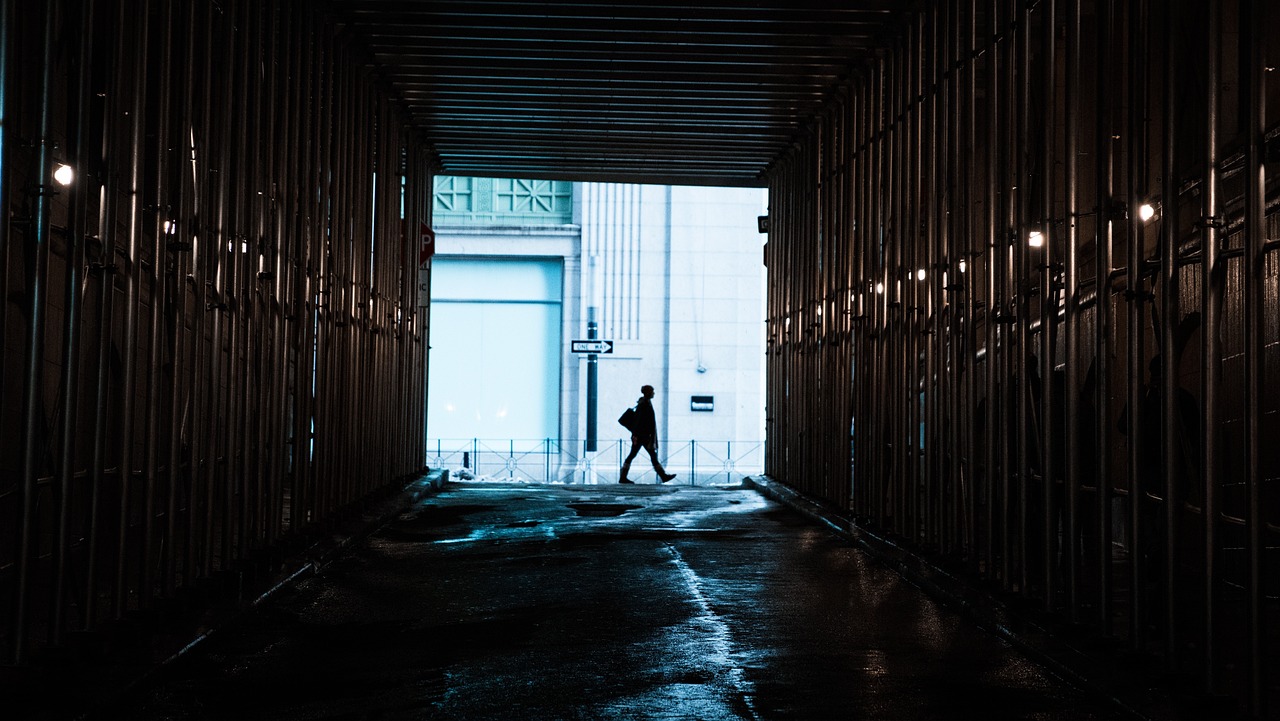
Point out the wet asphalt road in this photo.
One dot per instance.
(532, 603)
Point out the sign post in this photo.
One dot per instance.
(592, 361)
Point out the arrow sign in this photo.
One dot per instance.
(591, 346)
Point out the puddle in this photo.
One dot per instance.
(602, 510)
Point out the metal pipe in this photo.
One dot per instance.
(1104, 327)
(992, 169)
(240, 457)
(1071, 523)
(1137, 149)
(334, 302)
(890, 222)
(1019, 275)
(922, 351)
(323, 120)
(935, 313)
(1048, 306)
(255, 390)
(940, 311)
(76, 230)
(959, 235)
(224, 251)
(865, 474)
(362, 402)
(1169, 317)
(873, 198)
(322, 290)
(340, 388)
(951, 367)
(289, 178)
(35, 434)
(910, 398)
(133, 236)
(1255, 233)
(1005, 409)
(232, 522)
(855, 355)
(351, 373)
(107, 228)
(6, 29)
(159, 263)
(968, 254)
(271, 274)
(864, 368)
(303, 305)
(902, 371)
(872, 421)
(893, 167)
(258, 339)
(996, 172)
(946, 330)
(338, 301)
(205, 243)
(1211, 298)
(180, 245)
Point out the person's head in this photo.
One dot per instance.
(646, 391)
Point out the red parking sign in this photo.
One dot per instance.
(426, 244)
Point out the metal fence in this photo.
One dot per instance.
(551, 460)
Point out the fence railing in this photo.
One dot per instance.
(550, 460)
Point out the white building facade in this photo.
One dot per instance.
(676, 279)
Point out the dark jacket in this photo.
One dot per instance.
(646, 427)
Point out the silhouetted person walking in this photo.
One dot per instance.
(644, 434)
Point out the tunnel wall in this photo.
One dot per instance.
(213, 343)
(912, 325)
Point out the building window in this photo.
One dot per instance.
(453, 195)
(537, 197)
(502, 202)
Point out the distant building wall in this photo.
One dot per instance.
(677, 280)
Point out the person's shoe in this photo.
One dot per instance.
(624, 480)
(668, 477)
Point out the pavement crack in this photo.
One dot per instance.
(731, 674)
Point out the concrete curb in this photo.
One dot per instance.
(1032, 639)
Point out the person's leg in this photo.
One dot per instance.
(626, 465)
(657, 466)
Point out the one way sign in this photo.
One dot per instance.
(591, 346)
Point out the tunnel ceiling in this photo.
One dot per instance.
(708, 92)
